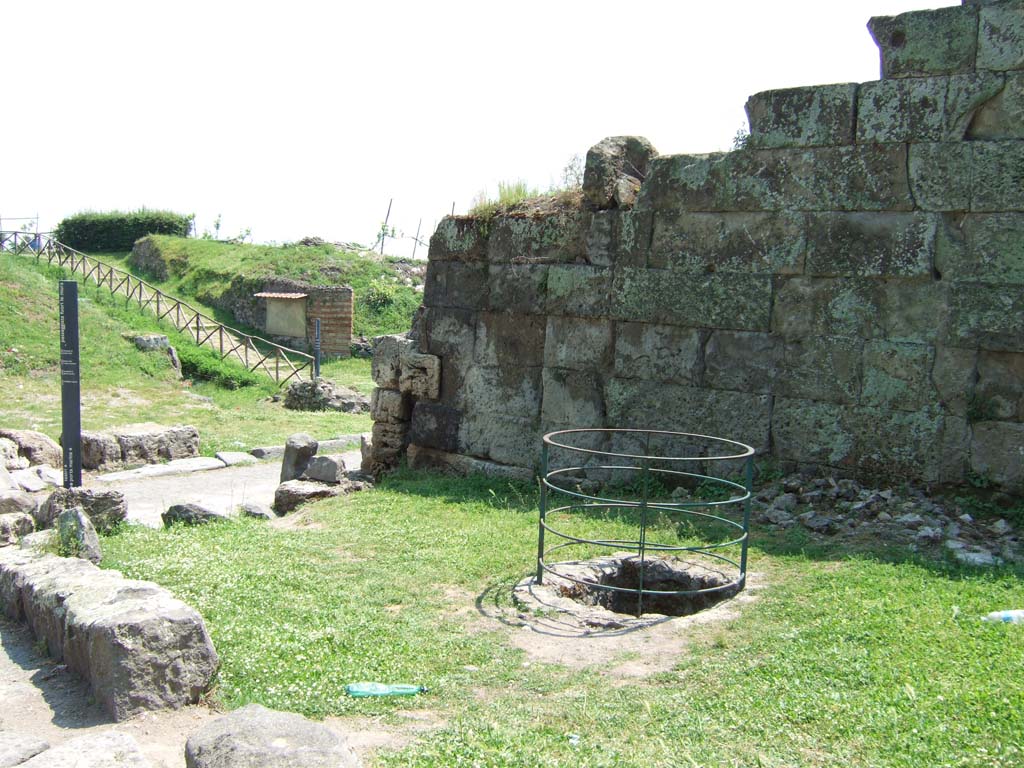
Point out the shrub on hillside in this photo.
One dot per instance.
(118, 230)
(202, 364)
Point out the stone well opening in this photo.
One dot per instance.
(643, 521)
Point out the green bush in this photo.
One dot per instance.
(201, 364)
(118, 230)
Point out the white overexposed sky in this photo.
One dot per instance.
(305, 118)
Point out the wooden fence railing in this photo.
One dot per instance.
(257, 354)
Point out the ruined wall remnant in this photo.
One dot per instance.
(846, 291)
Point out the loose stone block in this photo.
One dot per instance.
(652, 405)
(546, 239)
(987, 316)
(758, 243)
(518, 288)
(435, 426)
(389, 405)
(953, 377)
(742, 361)
(898, 376)
(870, 244)
(500, 392)
(578, 290)
(821, 368)
(983, 248)
(326, 469)
(1000, 388)
(189, 514)
(104, 508)
(34, 446)
(291, 495)
(923, 43)
(1001, 38)
(420, 374)
(1002, 116)
(997, 452)
(998, 169)
(505, 439)
(458, 238)
(99, 450)
(922, 109)
(658, 352)
(14, 525)
(615, 164)
(386, 365)
(510, 341)
(727, 301)
(940, 175)
(577, 344)
(150, 443)
(574, 399)
(299, 449)
(811, 432)
(802, 117)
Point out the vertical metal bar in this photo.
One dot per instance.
(746, 521)
(277, 365)
(543, 511)
(316, 348)
(642, 544)
(220, 339)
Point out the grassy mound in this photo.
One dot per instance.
(215, 272)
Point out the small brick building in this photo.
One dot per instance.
(290, 309)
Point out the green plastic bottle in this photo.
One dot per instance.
(382, 689)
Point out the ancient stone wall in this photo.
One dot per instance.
(847, 291)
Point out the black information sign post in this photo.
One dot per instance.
(70, 385)
(316, 348)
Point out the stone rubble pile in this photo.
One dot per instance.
(306, 477)
(324, 395)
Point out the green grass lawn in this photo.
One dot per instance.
(121, 385)
(854, 658)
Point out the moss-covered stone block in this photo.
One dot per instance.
(504, 439)
(812, 116)
(742, 361)
(727, 301)
(922, 43)
(810, 432)
(999, 393)
(578, 344)
(998, 172)
(578, 290)
(826, 369)
(518, 288)
(982, 248)
(870, 244)
(1002, 116)
(501, 392)
(451, 335)
(538, 239)
(953, 375)
(459, 238)
(509, 341)
(990, 317)
(658, 352)
(1001, 37)
(573, 398)
(941, 175)
(758, 243)
(435, 426)
(898, 375)
(997, 453)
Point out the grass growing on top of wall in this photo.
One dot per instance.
(204, 269)
(847, 657)
(121, 385)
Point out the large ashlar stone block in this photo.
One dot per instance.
(518, 288)
(757, 243)
(435, 426)
(386, 364)
(619, 237)
(459, 238)
(811, 116)
(614, 170)
(1002, 116)
(419, 375)
(742, 361)
(504, 439)
(907, 309)
(953, 377)
(997, 452)
(658, 352)
(985, 248)
(987, 316)
(389, 440)
(150, 443)
(823, 368)
(898, 376)
(139, 648)
(510, 341)
(998, 167)
(865, 177)
(499, 392)
(727, 301)
(922, 109)
(451, 335)
(1001, 37)
(923, 43)
(635, 403)
(578, 344)
(870, 244)
(999, 392)
(552, 238)
(457, 284)
(940, 175)
(578, 290)
(573, 398)
(810, 432)
(389, 405)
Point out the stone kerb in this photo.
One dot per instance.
(139, 648)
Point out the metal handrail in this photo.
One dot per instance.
(206, 331)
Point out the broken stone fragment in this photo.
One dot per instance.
(389, 405)
(34, 446)
(99, 450)
(105, 509)
(14, 525)
(77, 537)
(420, 375)
(614, 170)
(295, 493)
(189, 514)
(298, 452)
(325, 469)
